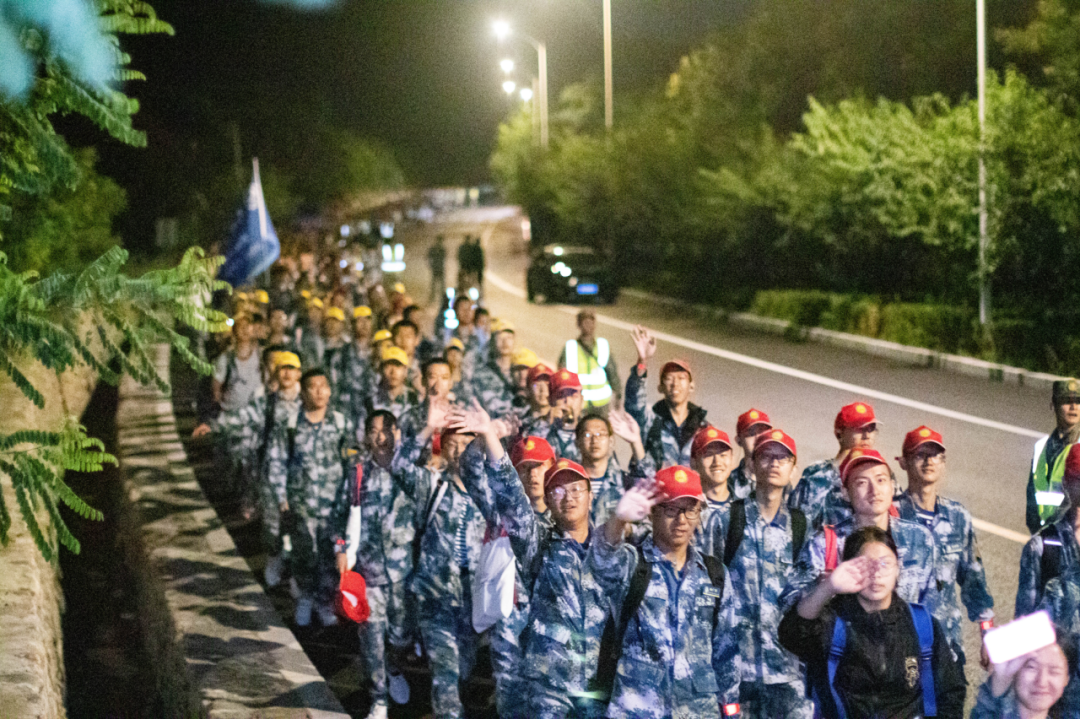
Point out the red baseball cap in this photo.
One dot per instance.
(676, 482)
(855, 415)
(352, 600)
(564, 379)
(538, 372)
(750, 418)
(1072, 462)
(565, 469)
(920, 436)
(676, 365)
(775, 436)
(531, 449)
(706, 436)
(858, 457)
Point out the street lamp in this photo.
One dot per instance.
(509, 86)
(984, 230)
(507, 65)
(502, 31)
(526, 94)
(609, 110)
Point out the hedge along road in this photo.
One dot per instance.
(989, 427)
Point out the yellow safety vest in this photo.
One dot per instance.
(1048, 492)
(595, 389)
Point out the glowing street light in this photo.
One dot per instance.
(526, 94)
(507, 65)
(509, 86)
(502, 29)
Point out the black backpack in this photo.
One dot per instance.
(611, 642)
(1050, 564)
(737, 529)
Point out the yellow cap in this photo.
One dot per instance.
(361, 311)
(262, 297)
(380, 336)
(395, 354)
(315, 302)
(286, 359)
(498, 326)
(524, 358)
(241, 296)
(334, 313)
(399, 287)
(455, 344)
(306, 294)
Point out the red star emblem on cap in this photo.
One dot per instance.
(680, 477)
(777, 435)
(924, 432)
(711, 434)
(856, 453)
(563, 464)
(754, 414)
(530, 445)
(860, 408)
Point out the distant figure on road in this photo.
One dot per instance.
(437, 263)
(1044, 492)
(590, 358)
(471, 264)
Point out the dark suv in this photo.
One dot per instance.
(569, 274)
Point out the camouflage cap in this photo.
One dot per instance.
(1066, 389)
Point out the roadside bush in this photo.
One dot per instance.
(936, 327)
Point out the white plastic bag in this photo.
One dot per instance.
(493, 585)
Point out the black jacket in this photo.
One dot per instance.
(877, 677)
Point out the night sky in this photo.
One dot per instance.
(420, 76)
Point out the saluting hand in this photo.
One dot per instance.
(644, 342)
(638, 501)
(851, 576)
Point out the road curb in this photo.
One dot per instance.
(906, 354)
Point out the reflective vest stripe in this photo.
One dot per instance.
(596, 396)
(594, 384)
(1047, 480)
(1049, 499)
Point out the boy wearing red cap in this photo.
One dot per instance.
(750, 424)
(712, 459)
(668, 427)
(959, 562)
(758, 539)
(819, 493)
(566, 405)
(1055, 549)
(868, 485)
(567, 608)
(671, 659)
(536, 420)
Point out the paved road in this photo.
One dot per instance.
(990, 428)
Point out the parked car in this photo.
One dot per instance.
(570, 274)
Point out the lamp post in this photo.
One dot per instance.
(609, 110)
(984, 230)
(503, 31)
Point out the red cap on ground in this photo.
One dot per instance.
(676, 365)
(920, 436)
(539, 372)
(750, 418)
(565, 469)
(706, 436)
(853, 416)
(531, 449)
(857, 458)
(1072, 463)
(564, 379)
(775, 436)
(352, 600)
(677, 482)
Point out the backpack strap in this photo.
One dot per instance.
(924, 627)
(832, 550)
(717, 575)
(836, 651)
(268, 426)
(291, 428)
(798, 533)
(736, 530)
(611, 642)
(1050, 562)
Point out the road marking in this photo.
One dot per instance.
(809, 377)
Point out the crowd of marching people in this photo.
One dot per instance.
(447, 486)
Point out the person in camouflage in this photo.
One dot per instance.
(306, 466)
(393, 392)
(309, 337)
(1061, 600)
(868, 483)
(959, 562)
(491, 381)
(771, 678)
(406, 337)
(748, 426)
(1024, 688)
(334, 339)
(565, 412)
(1061, 538)
(454, 354)
(671, 659)
(712, 458)
(819, 493)
(352, 374)
(669, 425)
(450, 531)
(596, 445)
(437, 390)
(536, 420)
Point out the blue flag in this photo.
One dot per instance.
(253, 244)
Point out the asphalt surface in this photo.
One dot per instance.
(989, 427)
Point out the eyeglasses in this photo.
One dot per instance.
(772, 459)
(673, 511)
(574, 491)
(595, 435)
(929, 457)
(883, 565)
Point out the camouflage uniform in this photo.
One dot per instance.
(563, 441)
(987, 706)
(607, 491)
(675, 662)
(711, 532)
(442, 588)
(398, 406)
(818, 494)
(353, 380)
(534, 426)
(741, 481)
(666, 442)
(958, 562)
(306, 469)
(312, 346)
(493, 389)
(771, 677)
(1061, 600)
(1031, 585)
(917, 555)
